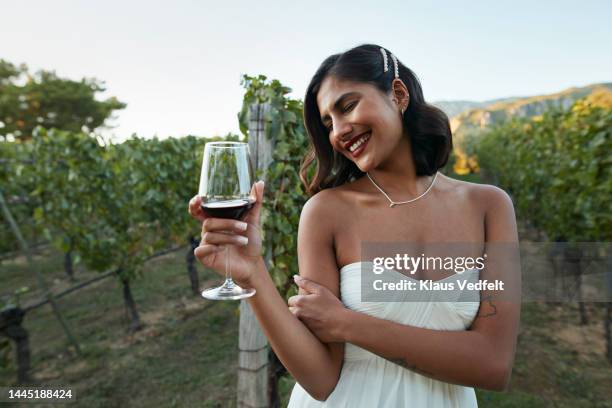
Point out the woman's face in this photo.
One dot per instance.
(363, 124)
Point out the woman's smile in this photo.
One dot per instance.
(357, 147)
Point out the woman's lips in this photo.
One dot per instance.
(362, 147)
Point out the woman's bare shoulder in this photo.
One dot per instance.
(321, 209)
(330, 200)
(481, 195)
(328, 208)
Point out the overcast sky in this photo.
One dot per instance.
(178, 64)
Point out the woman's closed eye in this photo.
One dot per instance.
(348, 107)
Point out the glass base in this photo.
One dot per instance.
(228, 291)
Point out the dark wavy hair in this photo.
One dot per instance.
(427, 126)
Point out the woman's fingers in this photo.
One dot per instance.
(223, 224)
(220, 238)
(257, 192)
(206, 253)
(195, 208)
(296, 300)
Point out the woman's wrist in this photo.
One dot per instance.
(259, 272)
(345, 326)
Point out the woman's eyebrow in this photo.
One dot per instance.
(339, 102)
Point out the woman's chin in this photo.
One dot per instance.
(364, 164)
(364, 161)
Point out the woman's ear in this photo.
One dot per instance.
(400, 94)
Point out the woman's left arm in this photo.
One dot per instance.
(481, 356)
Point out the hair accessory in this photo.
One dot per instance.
(384, 54)
(395, 65)
(394, 203)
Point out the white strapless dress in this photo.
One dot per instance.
(368, 380)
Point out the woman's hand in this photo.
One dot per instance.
(242, 236)
(320, 310)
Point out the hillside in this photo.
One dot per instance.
(478, 116)
(454, 108)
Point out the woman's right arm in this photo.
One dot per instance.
(315, 365)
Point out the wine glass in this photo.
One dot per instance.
(225, 185)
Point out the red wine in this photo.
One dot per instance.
(228, 208)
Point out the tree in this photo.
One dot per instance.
(43, 98)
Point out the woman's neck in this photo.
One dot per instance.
(397, 175)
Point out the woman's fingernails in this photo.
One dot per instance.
(243, 240)
(242, 226)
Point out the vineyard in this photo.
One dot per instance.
(109, 208)
(558, 168)
(87, 209)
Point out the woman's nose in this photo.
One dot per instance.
(341, 129)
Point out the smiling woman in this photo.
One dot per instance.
(378, 97)
(366, 116)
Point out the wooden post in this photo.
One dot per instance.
(10, 326)
(608, 311)
(192, 272)
(252, 343)
(41, 281)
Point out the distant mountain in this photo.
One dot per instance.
(454, 108)
(467, 117)
(479, 115)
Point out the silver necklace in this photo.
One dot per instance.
(394, 203)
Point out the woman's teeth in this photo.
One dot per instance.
(359, 142)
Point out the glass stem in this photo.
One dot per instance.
(228, 272)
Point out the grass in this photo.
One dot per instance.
(186, 355)
(552, 368)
